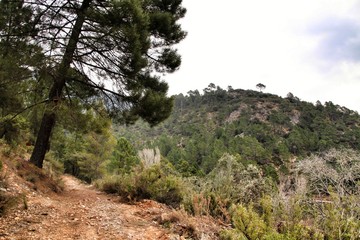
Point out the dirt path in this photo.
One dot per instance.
(81, 212)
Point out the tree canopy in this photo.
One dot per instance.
(260, 86)
(116, 48)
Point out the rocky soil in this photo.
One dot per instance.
(82, 212)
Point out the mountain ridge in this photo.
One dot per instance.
(262, 128)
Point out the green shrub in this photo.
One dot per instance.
(231, 234)
(300, 231)
(230, 182)
(340, 219)
(248, 222)
(167, 190)
(149, 183)
(249, 225)
(13, 129)
(122, 185)
(271, 172)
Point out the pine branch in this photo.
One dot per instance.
(27, 108)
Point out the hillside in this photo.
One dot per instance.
(262, 128)
(226, 165)
(222, 164)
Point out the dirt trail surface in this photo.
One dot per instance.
(81, 212)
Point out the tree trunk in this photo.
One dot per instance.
(42, 140)
(48, 121)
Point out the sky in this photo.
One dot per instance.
(310, 48)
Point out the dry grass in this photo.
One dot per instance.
(37, 178)
(181, 223)
(189, 226)
(7, 200)
(14, 169)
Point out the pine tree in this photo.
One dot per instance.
(18, 58)
(92, 42)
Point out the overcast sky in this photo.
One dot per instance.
(310, 48)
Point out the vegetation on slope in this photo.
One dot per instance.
(270, 167)
(261, 128)
(275, 168)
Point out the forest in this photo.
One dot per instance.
(265, 166)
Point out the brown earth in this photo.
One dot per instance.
(82, 212)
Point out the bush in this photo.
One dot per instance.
(334, 170)
(236, 182)
(340, 218)
(168, 190)
(149, 183)
(13, 130)
(230, 182)
(250, 225)
(122, 185)
(333, 186)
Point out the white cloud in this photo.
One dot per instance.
(241, 43)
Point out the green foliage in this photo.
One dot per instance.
(91, 161)
(264, 129)
(13, 130)
(228, 183)
(153, 107)
(149, 183)
(260, 86)
(331, 214)
(84, 154)
(301, 140)
(281, 118)
(20, 60)
(248, 222)
(341, 219)
(250, 149)
(123, 185)
(250, 225)
(236, 183)
(124, 157)
(165, 189)
(42, 65)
